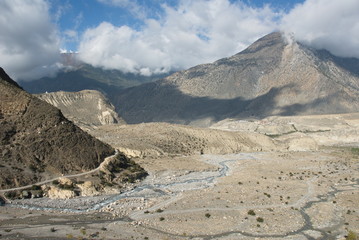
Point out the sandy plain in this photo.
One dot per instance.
(312, 194)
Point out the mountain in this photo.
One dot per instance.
(273, 76)
(77, 76)
(36, 140)
(85, 108)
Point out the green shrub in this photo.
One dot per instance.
(208, 215)
(83, 231)
(12, 195)
(251, 212)
(35, 187)
(355, 151)
(352, 236)
(33, 167)
(259, 219)
(66, 186)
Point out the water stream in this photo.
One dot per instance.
(200, 180)
(191, 181)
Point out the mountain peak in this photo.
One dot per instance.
(264, 42)
(273, 76)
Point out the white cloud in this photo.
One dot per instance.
(181, 36)
(194, 32)
(201, 31)
(29, 46)
(328, 24)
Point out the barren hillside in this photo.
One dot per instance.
(85, 108)
(271, 77)
(36, 139)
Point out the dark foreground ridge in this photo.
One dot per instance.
(37, 140)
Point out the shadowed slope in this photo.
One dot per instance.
(271, 77)
(36, 139)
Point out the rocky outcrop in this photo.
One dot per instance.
(85, 108)
(58, 193)
(36, 140)
(271, 77)
(88, 189)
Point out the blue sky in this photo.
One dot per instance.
(148, 37)
(79, 15)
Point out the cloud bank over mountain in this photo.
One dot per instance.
(328, 24)
(194, 32)
(180, 36)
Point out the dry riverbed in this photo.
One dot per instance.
(289, 195)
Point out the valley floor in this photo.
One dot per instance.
(263, 195)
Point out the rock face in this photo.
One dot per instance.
(271, 77)
(84, 108)
(36, 140)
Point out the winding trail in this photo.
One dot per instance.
(64, 176)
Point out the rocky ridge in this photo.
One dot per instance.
(36, 140)
(271, 77)
(86, 108)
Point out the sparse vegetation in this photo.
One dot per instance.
(355, 151)
(208, 215)
(352, 236)
(12, 195)
(162, 218)
(32, 167)
(268, 195)
(259, 219)
(251, 212)
(66, 186)
(35, 187)
(83, 231)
